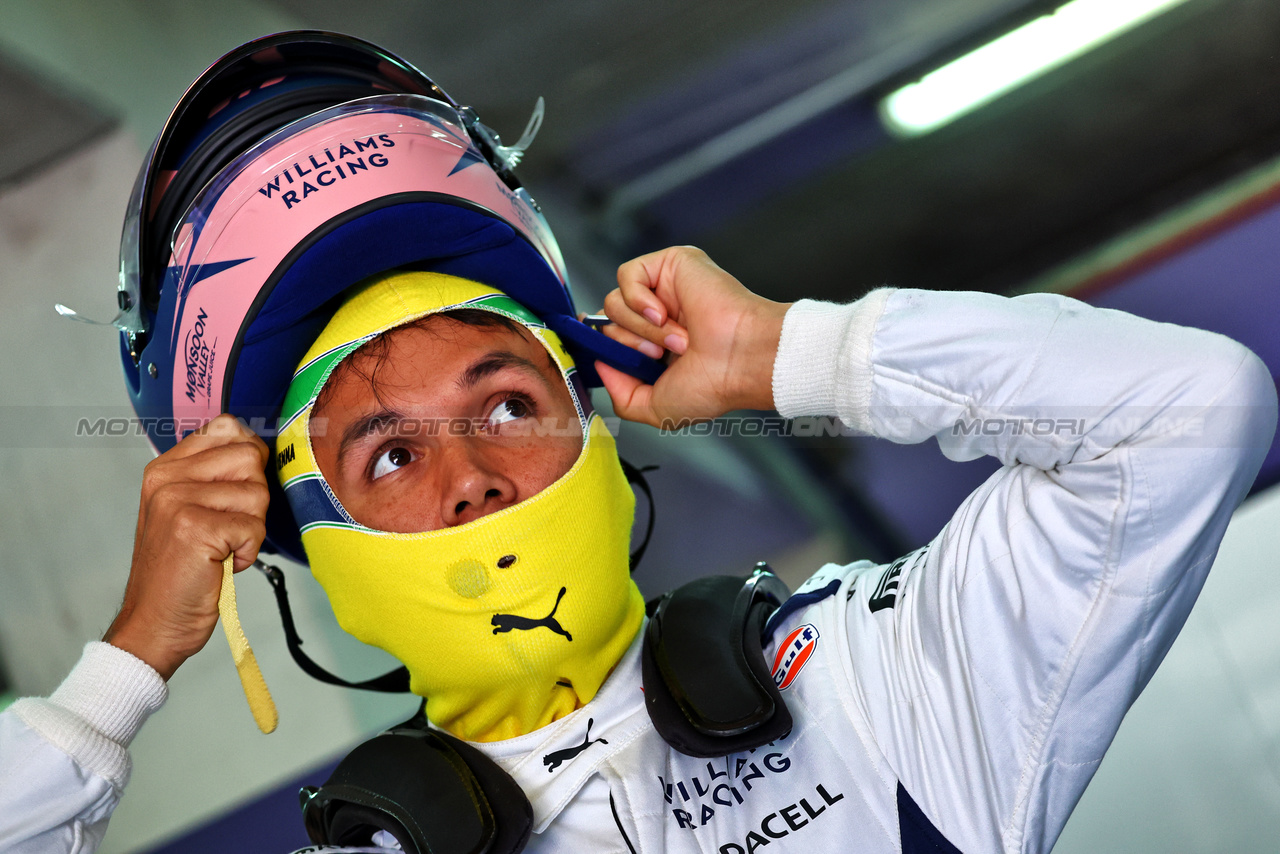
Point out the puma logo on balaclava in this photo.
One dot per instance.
(509, 622)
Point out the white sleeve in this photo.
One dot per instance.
(994, 666)
(64, 761)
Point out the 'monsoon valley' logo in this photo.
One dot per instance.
(792, 655)
(199, 356)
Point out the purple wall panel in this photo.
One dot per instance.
(914, 487)
(1227, 282)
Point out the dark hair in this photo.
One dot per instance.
(366, 361)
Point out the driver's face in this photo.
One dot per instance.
(446, 438)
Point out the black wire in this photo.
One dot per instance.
(636, 476)
(392, 682)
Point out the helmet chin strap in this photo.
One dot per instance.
(255, 687)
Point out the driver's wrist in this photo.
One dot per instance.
(758, 348)
(145, 646)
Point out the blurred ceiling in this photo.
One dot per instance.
(750, 128)
(813, 197)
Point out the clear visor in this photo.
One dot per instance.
(130, 319)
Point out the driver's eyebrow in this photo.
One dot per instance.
(386, 421)
(494, 362)
(383, 421)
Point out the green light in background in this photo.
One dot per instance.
(6, 700)
(999, 66)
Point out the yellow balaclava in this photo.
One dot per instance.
(508, 622)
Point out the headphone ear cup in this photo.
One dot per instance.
(513, 814)
(433, 793)
(354, 825)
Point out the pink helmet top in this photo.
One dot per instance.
(247, 223)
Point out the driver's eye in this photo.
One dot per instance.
(511, 409)
(390, 460)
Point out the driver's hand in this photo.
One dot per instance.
(718, 338)
(202, 500)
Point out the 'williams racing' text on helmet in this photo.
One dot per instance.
(297, 166)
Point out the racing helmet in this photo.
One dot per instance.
(295, 167)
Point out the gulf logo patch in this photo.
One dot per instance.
(792, 655)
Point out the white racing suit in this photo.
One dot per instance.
(959, 698)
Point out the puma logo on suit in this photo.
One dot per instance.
(554, 760)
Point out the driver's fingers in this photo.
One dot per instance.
(218, 533)
(228, 496)
(634, 341)
(238, 461)
(637, 289)
(638, 279)
(223, 430)
(623, 313)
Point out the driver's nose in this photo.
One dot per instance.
(473, 485)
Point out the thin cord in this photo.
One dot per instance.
(636, 476)
(394, 682)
